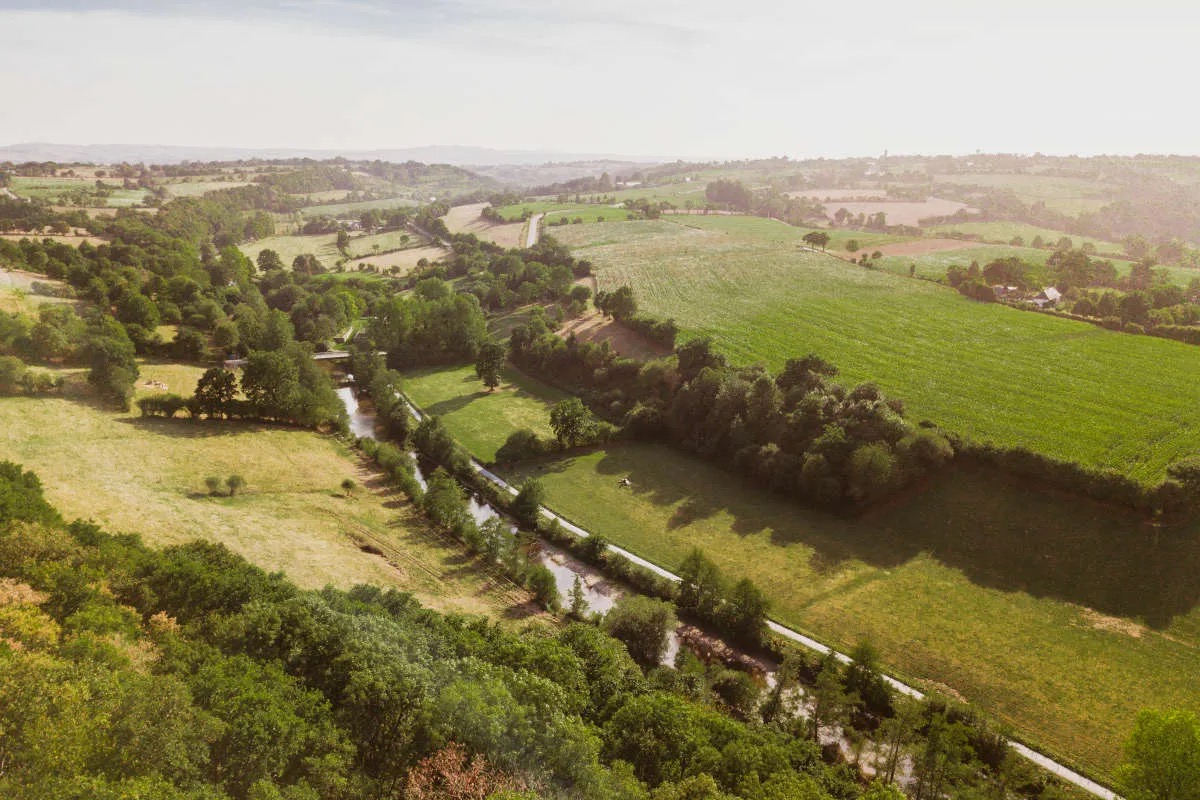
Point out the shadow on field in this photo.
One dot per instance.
(198, 428)
(453, 404)
(1001, 533)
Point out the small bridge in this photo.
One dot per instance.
(328, 355)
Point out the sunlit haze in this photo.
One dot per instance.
(690, 79)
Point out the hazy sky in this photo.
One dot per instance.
(696, 78)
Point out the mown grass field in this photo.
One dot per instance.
(197, 188)
(480, 419)
(340, 209)
(52, 189)
(1067, 389)
(48, 188)
(1057, 616)
(323, 246)
(365, 245)
(934, 265)
(147, 477)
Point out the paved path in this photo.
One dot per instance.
(531, 236)
(1043, 761)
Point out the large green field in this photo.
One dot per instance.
(1056, 615)
(1067, 389)
(145, 476)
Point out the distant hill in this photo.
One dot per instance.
(172, 154)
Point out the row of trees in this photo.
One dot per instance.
(283, 385)
(797, 432)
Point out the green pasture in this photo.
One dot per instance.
(480, 419)
(47, 188)
(1060, 617)
(1068, 389)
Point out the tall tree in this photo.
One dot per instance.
(569, 421)
(488, 363)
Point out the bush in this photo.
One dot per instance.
(540, 580)
(526, 507)
(643, 624)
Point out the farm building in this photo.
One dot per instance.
(1047, 297)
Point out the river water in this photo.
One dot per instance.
(600, 592)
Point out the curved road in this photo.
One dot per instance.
(1042, 760)
(531, 235)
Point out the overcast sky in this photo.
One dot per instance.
(693, 78)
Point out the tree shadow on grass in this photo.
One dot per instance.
(522, 611)
(186, 428)
(452, 404)
(1000, 532)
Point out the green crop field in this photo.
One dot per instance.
(147, 477)
(480, 419)
(1003, 233)
(1058, 616)
(1067, 389)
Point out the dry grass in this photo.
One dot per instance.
(405, 259)
(465, 219)
(900, 212)
(593, 326)
(147, 477)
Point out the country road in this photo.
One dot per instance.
(531, 237)
(1045, 762)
